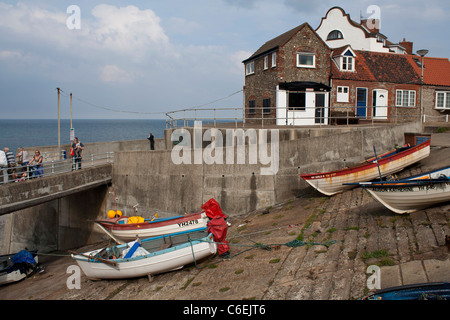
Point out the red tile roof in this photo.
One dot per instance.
(436, 71)
(380, 67)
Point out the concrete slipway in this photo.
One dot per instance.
(409, 248)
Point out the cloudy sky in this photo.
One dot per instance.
(139, 59)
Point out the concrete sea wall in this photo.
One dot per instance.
(154, 182)
(157, 184)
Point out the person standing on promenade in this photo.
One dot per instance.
(3, 166)
(152, 141)
(78, 148)
(23, 158)
(11, 162)
(37, 159)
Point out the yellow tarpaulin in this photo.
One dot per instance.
(135, 219)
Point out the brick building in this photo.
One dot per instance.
(342, 69)
(379, 86)
(287, 79)
(436, 88)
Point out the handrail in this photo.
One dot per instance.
(52, 167)
(394, 114)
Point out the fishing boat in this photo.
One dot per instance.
(147, 257)
(425, 291)
(15, 267)
(407, 196)
(125, 229)
(333, 182)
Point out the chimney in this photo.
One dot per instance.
(373, 25)
(408, 45)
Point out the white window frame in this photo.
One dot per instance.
(445, 100)
(299, 65)
(402, 101)
(250, 68)
(274, 60)
(266, 62)
(346, 61)
(342, 96)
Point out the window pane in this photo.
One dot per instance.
(412, 98)
(335, 34)
(250, 68)
(344, 63)
(350, 63)
(251, 106)
(306, 60)
(405, 98)
(297, 101)
(447, 105)
(266, 105)
(440, 100)
(399, 98)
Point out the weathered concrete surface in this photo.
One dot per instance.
(145, 177)
(17, 196)
(409, 249)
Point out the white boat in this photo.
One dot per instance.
(15, 267)
(435, 174)
(333, 182)
(147, 257)
(124, 230)
(407, 196)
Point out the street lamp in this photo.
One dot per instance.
(422, 53)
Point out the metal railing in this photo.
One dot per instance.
(442, 118)
(51, 167)
(336, 114)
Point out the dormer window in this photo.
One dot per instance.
(348, 61)
(334, 35)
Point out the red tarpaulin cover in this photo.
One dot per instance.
(217, 226)
(212, 209)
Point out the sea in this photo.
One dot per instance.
(15, 133)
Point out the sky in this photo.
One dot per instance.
(140, 59)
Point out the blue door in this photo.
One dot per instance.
(361, 102)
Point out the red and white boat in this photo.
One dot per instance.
(330, 183)
(120, 228)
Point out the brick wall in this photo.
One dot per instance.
(399, 114)
(429, 96)
(262, 84)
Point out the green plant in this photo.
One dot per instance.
(274, 260)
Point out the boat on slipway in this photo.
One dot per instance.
(333, 182)
(407, 196)
(412, 193)
(128, 228)
(147, 257)
(422, 291)
(15, 267)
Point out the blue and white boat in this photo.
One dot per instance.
(15, 267)
(147, 257)
(413, 193)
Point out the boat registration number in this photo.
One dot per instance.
(187, 223)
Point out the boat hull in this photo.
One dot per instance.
(148, 264)
(333, 182)
(147, 229)
(404, 197)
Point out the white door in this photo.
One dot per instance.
(380, 103)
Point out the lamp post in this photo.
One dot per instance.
(422, 53)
